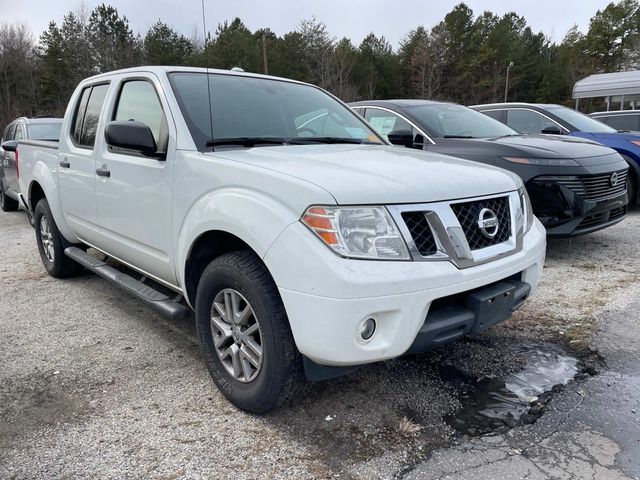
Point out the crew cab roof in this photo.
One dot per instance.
(165, 69)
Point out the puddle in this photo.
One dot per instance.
(493, 403)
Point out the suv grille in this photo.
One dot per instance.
(468, 214)
(597, 219)
(594, 187)
(420, 232)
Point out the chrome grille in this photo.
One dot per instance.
(592, 187)
(468, 214)
(420, 232)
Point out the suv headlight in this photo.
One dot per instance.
(548, 162)
(527, 210)
(357, 232)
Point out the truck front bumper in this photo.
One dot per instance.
(328, 298)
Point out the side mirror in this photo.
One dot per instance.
(552, 130)
(10, 145)
(131, 135)
(403, 138)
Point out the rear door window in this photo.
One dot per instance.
(497, 114)
(92, 115)
(85, 120)
(386, 122)
(19, 133)
(528, 121)
(78, 117)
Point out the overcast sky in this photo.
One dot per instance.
(350, 18)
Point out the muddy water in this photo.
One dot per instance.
(493, 403)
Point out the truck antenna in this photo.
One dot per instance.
(204, 28)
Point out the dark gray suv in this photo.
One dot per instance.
(20, 129)
(576, 186)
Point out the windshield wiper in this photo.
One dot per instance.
(457, 136)
(247, 141)
(305, 140)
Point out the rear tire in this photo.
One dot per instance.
(267, 372)
(7, 204)
(51, 244)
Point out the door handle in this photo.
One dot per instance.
(103, 172)
(65, 163)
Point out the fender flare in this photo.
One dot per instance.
(42, 175)
(254, 217)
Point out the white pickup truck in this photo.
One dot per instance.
(304, 242)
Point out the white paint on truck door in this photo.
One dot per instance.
(135, 200)
(77, 165)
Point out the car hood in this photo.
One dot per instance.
(532, 146)
(379, 174)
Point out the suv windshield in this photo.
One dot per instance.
(443, 120)
(579, 121)
(44, 131)
(248, 111)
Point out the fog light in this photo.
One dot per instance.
(368, 329)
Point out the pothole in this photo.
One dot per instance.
(493, 403)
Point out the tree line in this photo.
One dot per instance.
(463, 58)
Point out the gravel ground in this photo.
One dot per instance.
(94, 384)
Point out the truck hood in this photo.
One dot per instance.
(532, 146)
(376, 174)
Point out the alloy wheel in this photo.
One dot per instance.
(237, 337)
(47, 239)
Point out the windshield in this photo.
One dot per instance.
(579, 121)
(45, 131)
(443, 120)
(256, 108)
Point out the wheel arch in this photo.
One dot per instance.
(35, 194)
(207, 247)
(634, 174)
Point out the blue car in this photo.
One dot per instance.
(559, 120)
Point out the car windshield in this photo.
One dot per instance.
(45, 131)
(443, 120)
(249, 111)
(579, 121)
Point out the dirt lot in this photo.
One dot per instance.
(94, 384)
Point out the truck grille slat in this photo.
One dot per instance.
(420, 232)
(468, 214)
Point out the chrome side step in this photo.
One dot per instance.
(163, 304)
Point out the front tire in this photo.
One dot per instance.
(632, 189)
(245, 335)
(632, 183)
(51, 244)
(7, 204)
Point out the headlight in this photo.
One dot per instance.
(357, 232)
(635, 142)
(549, 162)
(527, 210)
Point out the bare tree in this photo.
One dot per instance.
(318, 47)
(16, 72)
